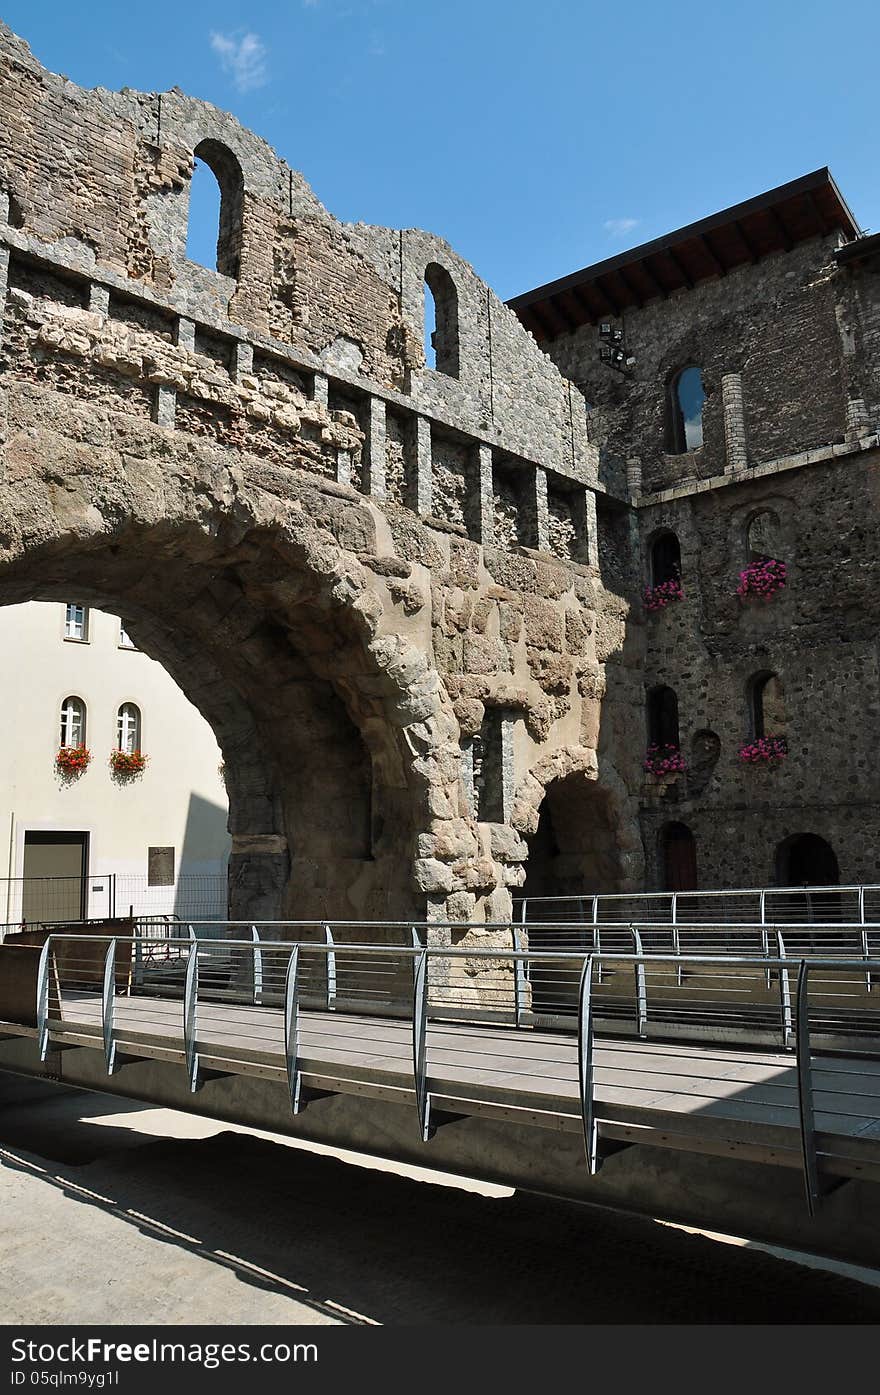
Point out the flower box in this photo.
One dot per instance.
(663, 594)
(127, 763)
(664, 760)
(762, 579)
(73, 760)
(764, 750)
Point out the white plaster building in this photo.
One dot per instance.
(156, 840)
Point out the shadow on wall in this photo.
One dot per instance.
(205, 840)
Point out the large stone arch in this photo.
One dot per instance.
(578, 825)
(326, 707)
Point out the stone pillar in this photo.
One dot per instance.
(4, 282)
(321, 389)
(4, 205)
(484, 502)
(542, 509)
(166, 407)
(508, 765)
(734, 421)
(375, 450)
(243, 359)
(424, 467)
(467, 774)
(343, 465)
(591, 530)
(858, 422)
(99, 299)
(634, 476)
(186, 334)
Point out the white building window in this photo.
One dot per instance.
(76, 622)
(73, 722)
(128, 728)
(125, 639)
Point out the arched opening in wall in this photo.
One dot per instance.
(441, 321)
(762, 537)
(686, 399)
(216, 208)
(678, 857)
(320, 808)
(766, 700)
(574, 851)
(662, 713)
(665, 558)
(807, 860)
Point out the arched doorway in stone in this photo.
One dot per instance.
(807, 860)
(678, 857)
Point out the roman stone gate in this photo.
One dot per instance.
(378, 579)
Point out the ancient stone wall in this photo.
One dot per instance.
(379, 582)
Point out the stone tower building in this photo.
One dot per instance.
(736, 408)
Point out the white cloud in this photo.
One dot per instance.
(619, 227)
(243, 58)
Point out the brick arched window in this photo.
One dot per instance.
(441, 321)
(216, 208)
(686, 398)
(662, 717)
(665, 558)
(767, 715)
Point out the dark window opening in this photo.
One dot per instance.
(768, 716)
(662, 717)
(441, 321)
(488, 749)
(216, 202)
(687, 397)
(665, 559)
(678, 857)
(762, 537)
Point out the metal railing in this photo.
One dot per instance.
(87, 994)
(856, 904)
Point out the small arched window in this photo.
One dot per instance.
(687, 396)
(73, 722)
(128, 728)
(767, 704)
(662, 717)
(665, 559)
(441, 321)
(762, 537)
(216, 207)
(678, 857)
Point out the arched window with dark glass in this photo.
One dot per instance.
(665, 559)
(441, 321)
(767, 705)
(662, 717)
(687, 395)
(216, 207)
(678, 858)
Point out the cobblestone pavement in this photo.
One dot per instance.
(118, 1213)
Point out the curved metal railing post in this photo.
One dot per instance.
(585, 1065)
(519, 977)
(190, 1010)
(805, 1091)
(522, 910)
(291, 1029)
(43, 999)
(108, 999)
(258, 966)
(784, 995)
(331, 967)
(420, 1044)
(641, 985)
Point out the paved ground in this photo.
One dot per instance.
(118, 1213)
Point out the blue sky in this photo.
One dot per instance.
(536, 139)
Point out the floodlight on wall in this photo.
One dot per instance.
(612, 348)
